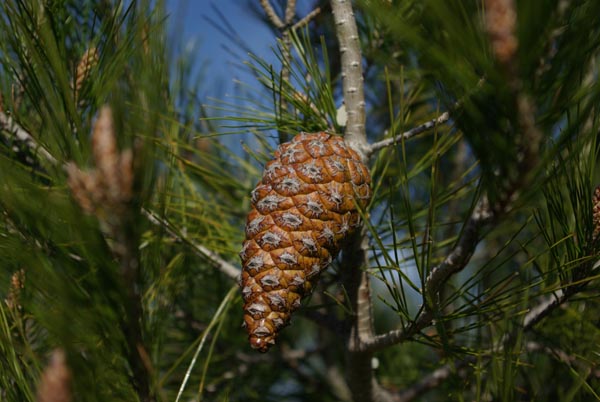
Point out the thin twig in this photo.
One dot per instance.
(286, 27)
(213, 258)
(537, 313)
(558, 354)
(444, 117)
(433, 379)
(286, 43)
(393, 337)
(307, 18)
(271, 14)
(441, 119)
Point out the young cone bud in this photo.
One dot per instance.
(17, 284)
(55, 383)
(303, 210)
(106, 154)
(88, 61)
(501, 20)
(596, 212)
(109, 187)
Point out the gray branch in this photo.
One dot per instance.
(461, 253)
(444, 117)
(382, 341)
(434, 379)
(307, 18)
(352, 74)
(213, 258)
(360, 375)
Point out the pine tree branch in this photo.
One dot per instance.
(454, 262)
(213, 258)
(543, 308)
(285, 27)
(483, 215)
(459, 367)
(393, 337)
(352, 74)
(556, 353)
(360, 374)
(355, 255)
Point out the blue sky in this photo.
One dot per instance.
(202, 26)
(195, 20)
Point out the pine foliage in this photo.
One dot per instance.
(123, 203)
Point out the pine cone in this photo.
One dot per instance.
(303, 210)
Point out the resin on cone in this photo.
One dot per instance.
(303, 209)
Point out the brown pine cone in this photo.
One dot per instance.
(303, 210)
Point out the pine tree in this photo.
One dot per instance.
(474, 275)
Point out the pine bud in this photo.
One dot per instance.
(55, 384)
(17, 284)
(110, 186)
(104, 148)
(303, 210)
(501, 20)
(88, 61)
